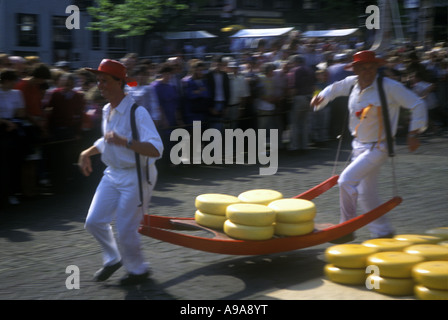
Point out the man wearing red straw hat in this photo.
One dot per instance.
(358, 181)
(121, 194)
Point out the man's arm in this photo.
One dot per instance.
(144, 148)
(337, 89)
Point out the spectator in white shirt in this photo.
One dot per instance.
(239, 92)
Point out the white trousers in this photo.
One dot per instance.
(117, 197)
(358, 184)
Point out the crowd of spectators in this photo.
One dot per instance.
(48, 112)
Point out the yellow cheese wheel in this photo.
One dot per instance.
(250, 214)
(443, 243)
(387, 244)
(209, 220)
(432, 274)
(394, 264)
(424, 293)
(214, 203)
(417, 238)
(392, 286)
(293, 229)
(293, 210)
(242, 232)
(260, 196)
(345, 275)
(349, 255)
(438, 232)
(429, 251)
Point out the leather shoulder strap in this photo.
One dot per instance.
(135, 136)
(386, 118)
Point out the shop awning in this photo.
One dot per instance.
(183, 35)
(261, 33)
(329, 33)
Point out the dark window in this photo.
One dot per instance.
(27, 26)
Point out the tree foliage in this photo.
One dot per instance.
(128, 18)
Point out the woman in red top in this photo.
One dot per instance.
(33, 89)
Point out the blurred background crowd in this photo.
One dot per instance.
(48, 114)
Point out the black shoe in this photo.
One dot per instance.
(105, 272)
(344, 239)
(134, 279)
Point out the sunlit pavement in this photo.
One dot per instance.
(40, 238)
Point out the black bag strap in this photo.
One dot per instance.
(386, 118)
(137, 156)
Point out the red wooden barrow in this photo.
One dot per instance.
(169, 229)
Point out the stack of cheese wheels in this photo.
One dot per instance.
(394, 274)
(387, 244)
(347, 263)
(294, 217)
(432, 280)
(418, 238)
(211, 209)
(247, 221)
(429, 251)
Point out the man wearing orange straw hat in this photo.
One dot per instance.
(366, 123)
(122, 193)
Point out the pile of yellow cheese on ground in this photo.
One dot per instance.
(408, 264)
(257, 214)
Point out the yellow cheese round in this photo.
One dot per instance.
(432, 274)
(242, 232)
(293, 210)
(260, 196)
(293, 229)
(250, 214)
(417, 238)
(349, 255)
(394, 264)
(209, 220)
(424, 293)
(345, 275)
(438, 232)
(428, 251)
(392, 286)
(214, 203)
(443, 243)
(387, 244)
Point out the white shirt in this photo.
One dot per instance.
(239, 88)
(119, 121)
(397, 96)
(10, 102)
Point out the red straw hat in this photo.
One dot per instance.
(115, 69)
(365, 57)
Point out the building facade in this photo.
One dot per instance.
(38, 27)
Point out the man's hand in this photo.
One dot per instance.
(84, 162)
(317, 100)
(113, 138)
(413, 142)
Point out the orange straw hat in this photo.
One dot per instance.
(115, 69)
(364, 57)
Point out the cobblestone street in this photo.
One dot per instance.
(41, 237)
